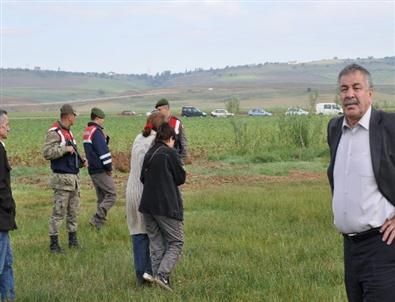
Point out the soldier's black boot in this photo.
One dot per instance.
(73, 241)
(54, 246)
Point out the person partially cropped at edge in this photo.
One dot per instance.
(7, 216)
(161, 204)
(362, 178)
(134, 189)
(98, 154)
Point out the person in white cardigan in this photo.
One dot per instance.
(134, 190)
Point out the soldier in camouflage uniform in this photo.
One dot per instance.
(60, 148)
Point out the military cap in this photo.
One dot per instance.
(98, 112)
(67, 109)
(162, 102)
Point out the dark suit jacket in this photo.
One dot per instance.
(382, 150)
(7, 204)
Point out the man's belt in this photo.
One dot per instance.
(62, 172)
(356, 237)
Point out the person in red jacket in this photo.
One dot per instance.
(181, 141)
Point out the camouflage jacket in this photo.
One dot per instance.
(53, 149)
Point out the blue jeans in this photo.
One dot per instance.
(6, 274)
(142, 260)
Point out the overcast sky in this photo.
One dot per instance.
(153, 36)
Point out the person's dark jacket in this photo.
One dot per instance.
(7, 203)
(382, 150)
(161, 174)
(96, 149)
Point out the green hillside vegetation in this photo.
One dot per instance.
(266, 85)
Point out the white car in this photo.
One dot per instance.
(221, 113)
(328, 109)
(296, 111)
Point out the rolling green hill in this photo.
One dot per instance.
(268, 85)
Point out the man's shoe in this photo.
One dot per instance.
(148, 277)
(54, 246)
(95, 224)
(163, 282)
(73, 241)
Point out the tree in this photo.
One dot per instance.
(233, 105)
(313, 96)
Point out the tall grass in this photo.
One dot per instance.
(261, 242)
(268, 139)
(281, 138)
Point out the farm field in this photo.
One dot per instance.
(257, 85)
(258, 220)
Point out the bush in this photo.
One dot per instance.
(233, 105)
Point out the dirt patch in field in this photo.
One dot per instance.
(208, 178)
(14, 101)
(196, 182)
(121, 161)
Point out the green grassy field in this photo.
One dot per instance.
(258, 221)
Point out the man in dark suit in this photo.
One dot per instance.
(7, 216)
(362, 178)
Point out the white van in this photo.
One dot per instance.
(328, 109)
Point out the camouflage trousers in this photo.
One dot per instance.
(65, 203)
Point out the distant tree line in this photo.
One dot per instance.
(164, 77)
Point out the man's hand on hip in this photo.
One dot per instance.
(388, 231)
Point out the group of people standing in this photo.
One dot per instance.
(154, 204)
(361, 174)
(60, 148)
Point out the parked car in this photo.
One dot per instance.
(128, 113)
(259, 112)
(221, 113)
(296, 111)
(328, 109)
(189, 111)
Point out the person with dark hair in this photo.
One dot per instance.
(100, 166)
(361, 174)
(134, 189)
(60, 148)
(181, 144)
(161, 204)
(7, 215)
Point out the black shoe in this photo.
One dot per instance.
(73, 241)
(163, 282)
(54, 246)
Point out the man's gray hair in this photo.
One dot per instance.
(2, 114)
(353, 68)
